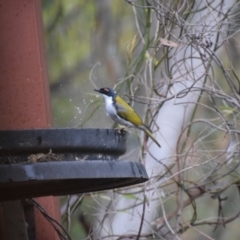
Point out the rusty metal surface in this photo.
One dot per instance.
(14, 217)
(53, 178)
(24, 87)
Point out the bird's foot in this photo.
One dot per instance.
(121, 128)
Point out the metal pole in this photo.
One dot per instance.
(24, 90)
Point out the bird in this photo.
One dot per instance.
(122, 113)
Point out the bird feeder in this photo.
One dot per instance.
(42, 162)
(36, 160)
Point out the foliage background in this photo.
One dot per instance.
(97, 43)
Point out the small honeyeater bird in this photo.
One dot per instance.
(122, 113)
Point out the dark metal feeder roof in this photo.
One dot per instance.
(43, 162)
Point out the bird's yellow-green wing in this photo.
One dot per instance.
(127, 112)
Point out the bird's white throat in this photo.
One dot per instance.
(111, 110)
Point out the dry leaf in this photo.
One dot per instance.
(168, 43)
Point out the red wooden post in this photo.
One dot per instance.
(24, 89)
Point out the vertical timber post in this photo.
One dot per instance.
(24, 91)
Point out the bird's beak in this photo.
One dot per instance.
(97, 90)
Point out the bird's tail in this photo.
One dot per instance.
(148, 132)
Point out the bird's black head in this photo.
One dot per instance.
(106, 91)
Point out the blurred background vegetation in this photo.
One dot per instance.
(87, 44)
(96, 44)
